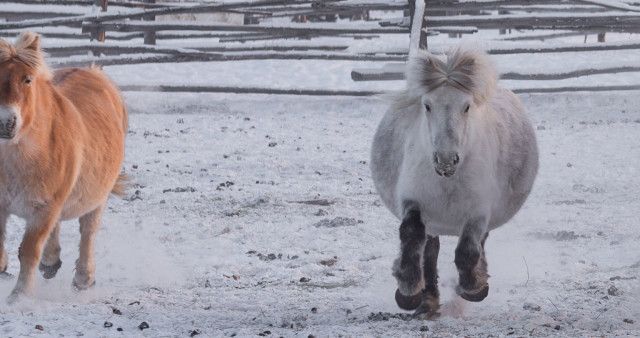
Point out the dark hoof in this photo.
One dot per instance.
(408, 302)
(50, 271)
(77, 287)
(474, 295)
(428, 309)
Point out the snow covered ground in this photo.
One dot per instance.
(215, 238)
(256, 215)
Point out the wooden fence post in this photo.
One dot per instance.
(99, 34)
(149, 36)
(601, 37)
(418, 25)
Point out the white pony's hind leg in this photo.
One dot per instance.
(85, 265)
(50, 261)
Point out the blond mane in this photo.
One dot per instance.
(467, 70)
(26, 49)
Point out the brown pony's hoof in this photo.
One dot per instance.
(474, 295)
(408, 302)
(50, 271)
(78, 288)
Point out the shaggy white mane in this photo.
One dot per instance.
(468, 70)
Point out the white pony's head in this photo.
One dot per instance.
(451, 92)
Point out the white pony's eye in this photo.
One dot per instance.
(428, 107)
(466, 110)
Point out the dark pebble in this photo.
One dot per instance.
(314, 310)
(39, 327)
(119, 329)
(557, 327)
(194, 333)
(143, 325)
(304, 280)
(108, 324)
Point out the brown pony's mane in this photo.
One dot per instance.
(26, 49)
(468, 70)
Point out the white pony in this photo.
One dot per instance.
(454, 155)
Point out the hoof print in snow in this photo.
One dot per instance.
(116, 311)
(386, 316)
(304, 280)
(531, 307)
(180, 189)
(143, 325)
(223, 185)
(613, 291)
(628, 321)
(264, 333)
(136, 196)
(194, 333)
(108, 324)
(321, 212)
(263, 257)
(330, 261)
(39, 327)
(337, 222)
(560, 236)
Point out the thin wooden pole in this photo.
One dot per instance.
(149, 36)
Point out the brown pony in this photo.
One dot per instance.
(61, 149)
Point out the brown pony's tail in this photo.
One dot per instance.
(121, 186)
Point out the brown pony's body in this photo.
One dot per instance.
(60, 156)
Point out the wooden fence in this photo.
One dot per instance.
(131, 34)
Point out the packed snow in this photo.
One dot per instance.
(256, 215)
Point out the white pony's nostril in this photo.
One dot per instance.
(436, 159)
(456, 159)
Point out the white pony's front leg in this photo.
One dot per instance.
(37, 230)
(408, 267)
(470, 261)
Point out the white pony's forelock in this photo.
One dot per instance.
(463, 68)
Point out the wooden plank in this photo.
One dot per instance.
(138, 14)
(622, 22)
(534, 90)
(568, 75)
(130, 26)
(246, 90)
(396, 72)
(167, 58)
(388, 72)
(113, 49)
(322, 92)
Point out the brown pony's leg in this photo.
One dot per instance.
(85, 265)
(3, 253)
(50, 261)
(30, 251)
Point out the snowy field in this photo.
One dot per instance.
(215, 238)
(256, 215)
